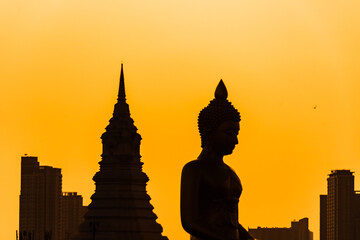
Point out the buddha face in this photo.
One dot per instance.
(225, 137)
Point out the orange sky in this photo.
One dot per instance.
(60, 63)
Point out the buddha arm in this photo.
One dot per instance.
(189, 205)
(243, 234)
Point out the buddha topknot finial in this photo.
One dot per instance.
(218, 111)
(221, 92)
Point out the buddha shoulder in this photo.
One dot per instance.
(192, 167)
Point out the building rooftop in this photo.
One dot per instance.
(340, 172)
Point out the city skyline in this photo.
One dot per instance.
(34, 177)
(290, 67)
(45, 211)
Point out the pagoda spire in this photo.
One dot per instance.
(121, 94)
(121, 116)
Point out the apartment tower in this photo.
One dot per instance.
(40, 201)
(340, 208)
(72, 214)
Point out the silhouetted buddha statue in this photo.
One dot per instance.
(210, 189)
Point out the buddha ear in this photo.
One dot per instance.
(207, 148)
(210, 141)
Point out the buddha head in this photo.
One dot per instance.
(219, 123)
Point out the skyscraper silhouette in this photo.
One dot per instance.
(40, 201)
(340, 208)
(120, 207)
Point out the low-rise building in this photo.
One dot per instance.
(299, 230)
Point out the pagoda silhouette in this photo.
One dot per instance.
(120, 207)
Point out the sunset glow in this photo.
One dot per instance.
(291, 67)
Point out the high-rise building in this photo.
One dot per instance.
(40, 201)
(299, 230)
(323, 225)
(120, 207)
(72, 214)
(339, 209)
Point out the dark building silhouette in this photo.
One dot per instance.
(72, 214)
(40, 201)
(323, 227)
(298, 231)
(120, 207)
(340, 208)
